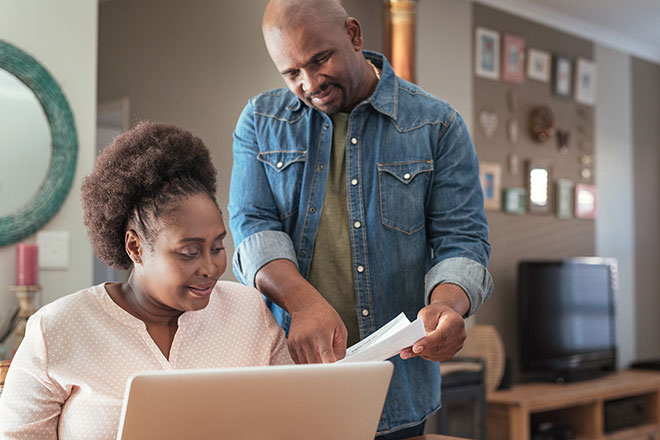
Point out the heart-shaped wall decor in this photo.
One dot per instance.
(488, 121)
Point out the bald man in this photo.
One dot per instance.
(355, 196)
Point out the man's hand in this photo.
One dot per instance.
(317, 334)
(444, 325)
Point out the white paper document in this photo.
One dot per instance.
(388, 341)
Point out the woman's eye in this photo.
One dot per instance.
(216, 250)
(189, 253)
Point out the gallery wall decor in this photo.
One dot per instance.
(562, 76)
(513, 58)
(564, 202)
(487, 53)
(514, 200)
(585, 82)
(490, 175)
(538, 186)
(538, 65)
(541, 123)
(488, 121)
(586, 201)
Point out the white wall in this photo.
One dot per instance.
(614, 167)
(62, 36)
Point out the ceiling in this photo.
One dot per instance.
(632, 26)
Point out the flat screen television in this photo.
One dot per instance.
(567, 318)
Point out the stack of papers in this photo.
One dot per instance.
(388, 341)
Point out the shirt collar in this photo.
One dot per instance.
(384, 99)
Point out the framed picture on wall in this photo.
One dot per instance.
(513, 58)
(585, 82)
(514, 200)
(562, 76)
(538, 186)
(565, 190)
(538, 65)
(490, 175)
(487, 53)
(586, 198)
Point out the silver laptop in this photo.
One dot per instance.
(293, 402)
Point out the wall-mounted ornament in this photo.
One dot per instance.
(488, 121)
(490, 176)
(563, 76)
(513, 131)
(538, 65)
(512, 100)
(585, 82)
(487, 53)
(586, 198)
(587, 160)
(513, 164)
(541, 123)
(538, 186)
(513, 58)
(565, 191)
(585, 173)
(563, 136)
(514, 200)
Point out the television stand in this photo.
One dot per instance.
(578, 408)
(646, 364)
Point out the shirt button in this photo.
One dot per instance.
(353, 141)
(360, 269)
(326, 126)
(303, 252)
(365, 312)
(319, 168)
(357, 225)
(406, 176)
(279, 165)
(354, 182)
(312, 210)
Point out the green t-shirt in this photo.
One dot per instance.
(331, 271)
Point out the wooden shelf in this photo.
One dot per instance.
(579, 405)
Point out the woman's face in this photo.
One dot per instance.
(178, 271)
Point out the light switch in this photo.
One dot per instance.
(53, 249)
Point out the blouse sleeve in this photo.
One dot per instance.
(279, 352)
(31, 402)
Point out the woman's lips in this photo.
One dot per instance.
(202, 289)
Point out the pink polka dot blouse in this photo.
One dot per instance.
(68, 377)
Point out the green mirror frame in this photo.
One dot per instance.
(64, 148)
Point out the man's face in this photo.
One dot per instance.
(319, 64)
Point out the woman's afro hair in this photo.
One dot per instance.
(131, 174)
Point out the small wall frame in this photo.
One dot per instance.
(538, 179)
(514, 200)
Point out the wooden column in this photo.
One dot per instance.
(400, 27)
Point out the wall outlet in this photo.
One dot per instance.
(53, 249)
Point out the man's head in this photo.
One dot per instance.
(316, 47)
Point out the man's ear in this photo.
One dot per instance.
(354, 31)
(134, 246)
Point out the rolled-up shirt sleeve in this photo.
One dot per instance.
(469, 275)
(259, 249)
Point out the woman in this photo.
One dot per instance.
(149, 206)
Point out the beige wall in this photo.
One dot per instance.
(646, 165)
(62, 37)
(614, 155)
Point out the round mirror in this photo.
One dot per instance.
(39, 160)
(24, 144)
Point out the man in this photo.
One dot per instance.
(355, 196)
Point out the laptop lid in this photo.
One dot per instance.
(292, 402)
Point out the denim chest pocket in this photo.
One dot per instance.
(402, 188)
(284, 169)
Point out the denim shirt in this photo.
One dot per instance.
(415, 206)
